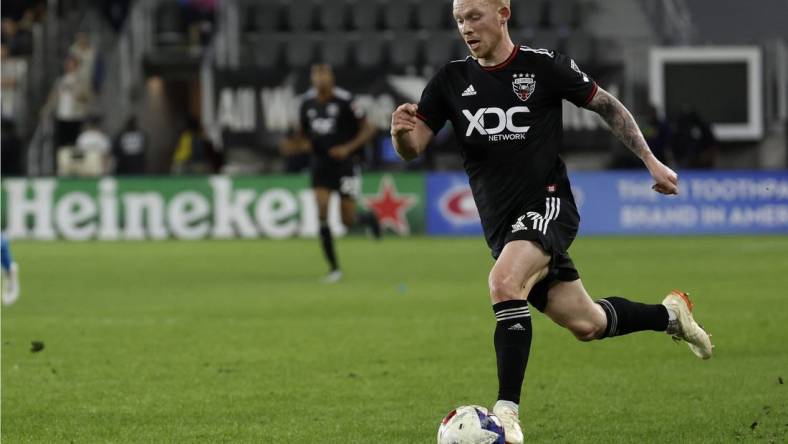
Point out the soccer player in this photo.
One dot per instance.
(504, 102)
(335, 130)
(10, 271)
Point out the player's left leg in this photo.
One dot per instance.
(10, 288)
(570, 306)
(322, 198)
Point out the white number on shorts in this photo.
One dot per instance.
(350, 185)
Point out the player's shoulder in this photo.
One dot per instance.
(536, 56)
(342, 95)
(309, 96)
(548, 59)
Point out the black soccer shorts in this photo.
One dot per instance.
(553, 224)
(341, 177)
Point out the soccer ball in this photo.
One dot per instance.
(470, 424)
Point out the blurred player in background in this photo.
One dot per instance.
(10, 271)
(505, 106)
(334, 130)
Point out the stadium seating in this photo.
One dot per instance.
(397, 15)
(416, 32)
(564, 13)
(581, 46)
(333, 15)
(405, 48)
(370, 50)
(433, 14)
(300, 15)
(261, 16)
(334, 49)
(366, 14)
(526, 16)
(440, 47)
(299, 52)
(267, 53)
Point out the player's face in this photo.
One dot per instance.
(322, 77)
(479, 24)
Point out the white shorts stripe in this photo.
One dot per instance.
(552, 214)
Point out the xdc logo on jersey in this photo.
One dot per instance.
(476, 123)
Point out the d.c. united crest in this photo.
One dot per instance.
(523, 85)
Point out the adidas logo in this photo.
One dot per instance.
(469, 91)
(519, 225)
(517, 326)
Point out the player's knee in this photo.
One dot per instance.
(504, 288)
(586, 331)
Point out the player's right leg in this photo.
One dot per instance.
(519, 267)
(322, 198)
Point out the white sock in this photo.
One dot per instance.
(508, 404)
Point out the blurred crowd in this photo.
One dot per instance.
(73, 109)
(19, 19)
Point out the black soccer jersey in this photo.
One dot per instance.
(507, 119)
(329, 123)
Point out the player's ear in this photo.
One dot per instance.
(505, 14)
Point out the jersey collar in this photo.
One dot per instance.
(503, 64)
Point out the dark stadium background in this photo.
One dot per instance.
(164, 63)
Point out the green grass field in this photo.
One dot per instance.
(236, 341)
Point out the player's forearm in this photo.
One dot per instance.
(621, 123)
(405, 146)
(365, 134)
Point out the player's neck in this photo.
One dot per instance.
(500, 54)
(324, 95)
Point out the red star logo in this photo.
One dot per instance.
(391, 207)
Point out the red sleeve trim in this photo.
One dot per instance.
(592, 94)
(420, 116)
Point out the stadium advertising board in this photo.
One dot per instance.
(620, 203)
(196, 207)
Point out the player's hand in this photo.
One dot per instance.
(666, 180)
(403, 120)
(339, 152)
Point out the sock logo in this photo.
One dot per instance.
(517, 326)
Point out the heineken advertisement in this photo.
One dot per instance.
(196, 207)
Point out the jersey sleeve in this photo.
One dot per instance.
(433, 109)
(351, 114)
(356, 110)
(570, 82)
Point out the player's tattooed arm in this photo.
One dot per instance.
(627, 131)
(621, 122)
